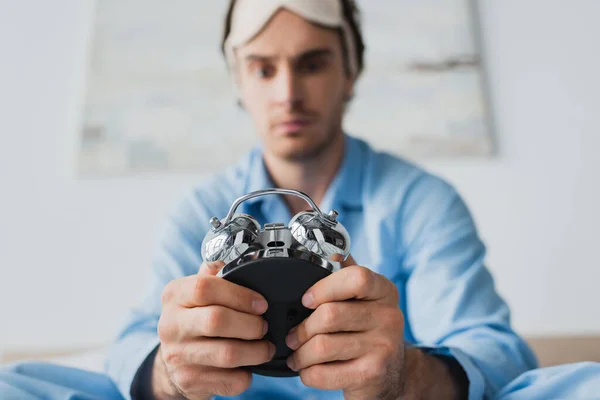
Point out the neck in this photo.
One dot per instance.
(312, 176)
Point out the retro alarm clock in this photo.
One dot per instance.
(281, 262)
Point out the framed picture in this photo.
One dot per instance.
(159, 97)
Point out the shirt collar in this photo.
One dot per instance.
(344, 191)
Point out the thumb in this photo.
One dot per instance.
(210, 267)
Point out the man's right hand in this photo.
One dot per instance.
(209, 327)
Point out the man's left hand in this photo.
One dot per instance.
(354, 340)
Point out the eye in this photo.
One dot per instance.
(264, 71)
(312, 65)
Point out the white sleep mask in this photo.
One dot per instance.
(250, 16)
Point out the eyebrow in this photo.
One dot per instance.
(320, 52)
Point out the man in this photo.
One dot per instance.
(415, 315)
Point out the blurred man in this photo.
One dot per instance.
(413, 314)
(416, 313)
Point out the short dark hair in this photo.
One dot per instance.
(351, 16)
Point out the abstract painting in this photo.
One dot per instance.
(159, 97)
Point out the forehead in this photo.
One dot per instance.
(288, 34)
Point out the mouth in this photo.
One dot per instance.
(292, 126)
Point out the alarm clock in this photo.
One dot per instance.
(279, 261)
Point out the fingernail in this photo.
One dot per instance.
(272, 350)
(308, 300)
(292, 339)
(265, 328)
(291, 364)
(259, 305)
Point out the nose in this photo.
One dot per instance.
(287, 88)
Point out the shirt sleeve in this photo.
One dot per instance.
(178, 254)
(567, 381)
(451, 304)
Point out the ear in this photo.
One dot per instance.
(237, 87)
(349, 88)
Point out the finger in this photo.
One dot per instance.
(199, 291)
(348, 261)
(341, 316)
(354, 282)
(330, 347)
(339, 375)
(210, 267)
(219, 321)
(220, 353)
(201, 382)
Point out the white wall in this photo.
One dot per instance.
(73, 254)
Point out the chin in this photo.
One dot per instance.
(296, 147)
(300, 145)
